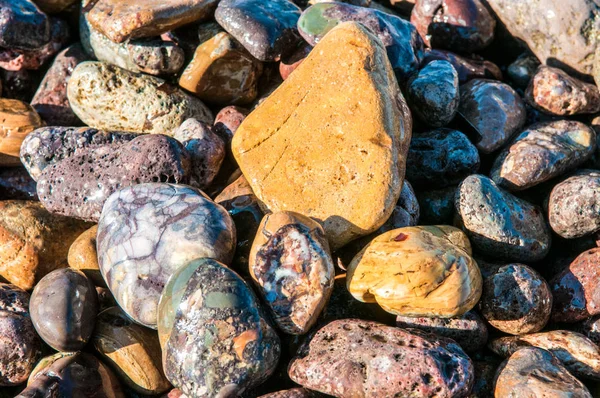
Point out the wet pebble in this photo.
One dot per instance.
(521, 70)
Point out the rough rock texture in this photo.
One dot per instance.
(16, 183)
(467, 68)
(541, 152)
(214, 338)
(18, 119)
(83, 256)
(23, 25)
(139, 103)
(359, 358)
(179, 224)
(353, 192)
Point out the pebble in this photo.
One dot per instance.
(16, 183)
(54, 6)
(20, 85)
(275, 145)
(352, 357)
(522, 70)
(541, 152)
(140, 103)
(291, 393)
(176, 219)
(23, 25)
(227, 122)
(516, 300)
(437, 206)
(290, 63)
(499, 223)
(83, 256)
(18, 119)
(590, 327)
(406, 213)
(466, 68)
(214, 337)
(105, 299)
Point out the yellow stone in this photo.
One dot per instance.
(83, 256)
(17, 119)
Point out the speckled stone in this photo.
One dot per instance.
(139, 103)
(574, 205)
(353, 357)
(83, 256)
(437, 206)
(291, 393)
(541, 152)
(16, 183)
(23, 25)
(21, 346)
(494, 110)
(18, 119)
(179, 224)
(500, 224)
(79, 185)
(401, 40)
(466, 68)
(214, 337)
(516, 300)
(440, 158)
(533, 372)
(521, 70)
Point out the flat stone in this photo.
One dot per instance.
(18, 120)
(16, 183)
(276, 147)
(83, 256)
(467, 68)
(23, 25)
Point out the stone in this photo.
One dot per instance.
(464, 26)
(400, 38)
(133, 351)
(105, 299)
(466, 68)
(521, 70)
(18, 119)
(468, 330)
(437, 206)
(179, 224)
(266, 29)
(20, 85)
(63, 309)
(50, 100)
(222, 72)
(534, 372)
(352, 357)
(227, 122)
(83, 256)
(139, 103)
(574, 205)
(516, 300)
(590, 328)
(440, 158)
(214, 337)
(120, 21)
(418, 272)
(292, 267)
(500, 224)
(21, 346)
(576, 352)
(494, 110)
(23, 25)
(290, 63)
(15, 183)
(291, 393)
(79, 185)
(33, 242)
(353, 193)
(54, 6)
(541, 152)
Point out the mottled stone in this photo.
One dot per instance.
(467, 68)
(533, 372)
(33, 242)
(437, 206)
(227, 122)
(521, 70)
(291, 393)
(16, 183)
(493, 109)
(541, 152)
(83, 256)
(440, 158)
(280, 145)
(214, 337)
(353, 357)
(290, 63)
(54, 6)
(23, 25)
(18, 119)
(179, 224)
(139, 103)
(500, 224)
(574, 205)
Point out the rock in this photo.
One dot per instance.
(499, 223)
(20, 85)
(574, 205)
(521, 70)
(418, 272)
(18, 119)
(564, 37)
(467, 68)
(79, 185)
(463, 26)
(291, 393)
(352, 193)
(227, 122)
(53, 6)
(140, 103)
(50, 100)
(516, 300)
(493, 109)
(179, 224)
(292, 267)
(401, 39)
(21, 346)
(133, 351)
(440, 158)
(590, 328)
(541, 152)
(63, 309)
(15, 183)
(266, 29)
(222, 72)
(289, 64)
(214, 338)
(437, 206)
(83, 256)
(468, 330)
(353, 357)
(120, 21)
(406, 213)
(105, 299)
(23, 25)
(33, 242)
(534, 372)
(576, 352)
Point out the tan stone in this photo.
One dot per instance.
(84, 257)
(17, 119)
(331, 141)
(417, 271)
(53, 6)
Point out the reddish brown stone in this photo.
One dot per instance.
(289, 64)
